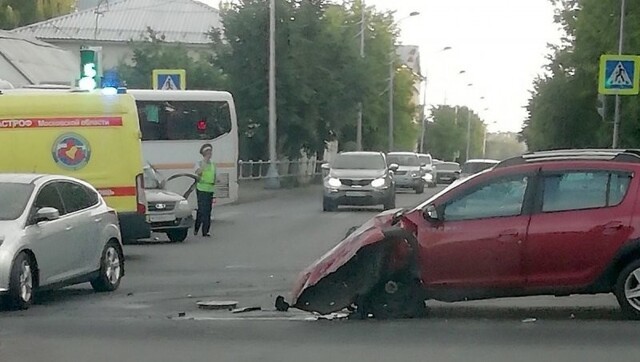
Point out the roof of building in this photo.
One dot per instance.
(184, 21)
(410, 56)
(36, 61)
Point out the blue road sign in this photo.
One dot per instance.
(619, 74)
(169, 79)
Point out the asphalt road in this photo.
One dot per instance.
(255, 253)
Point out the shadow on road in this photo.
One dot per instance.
(61, 295)
(360, 209)
(148, 242)
(526, 313)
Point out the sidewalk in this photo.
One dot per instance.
(254, 190)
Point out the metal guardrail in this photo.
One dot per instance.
(256, 170)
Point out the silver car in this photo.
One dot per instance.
(359, 178)
(55, 231)
(167, 211)
(410, 171)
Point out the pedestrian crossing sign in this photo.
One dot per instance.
(169, 79)
(619, 74)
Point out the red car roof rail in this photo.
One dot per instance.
(617, 155)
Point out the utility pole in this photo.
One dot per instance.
(616, 115)
(468, 133)
(362, 29)
(424, 116)
(273, 179)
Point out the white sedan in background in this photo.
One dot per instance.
(55, 231)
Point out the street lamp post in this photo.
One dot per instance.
(484, 139)
(273, 179)
(424, 106)
(468, 127)
(616, 115)
(362, 29)
(391, 80)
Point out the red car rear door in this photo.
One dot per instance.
(582, 218)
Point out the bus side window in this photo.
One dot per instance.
(148, 113)
(182, 120)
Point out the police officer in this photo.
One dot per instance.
(205, 189)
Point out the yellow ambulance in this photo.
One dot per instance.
(88, 135)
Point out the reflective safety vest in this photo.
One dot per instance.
(207, 182)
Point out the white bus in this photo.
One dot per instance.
(175, 124)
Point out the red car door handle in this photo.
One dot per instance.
(613, 226)
(508, 235)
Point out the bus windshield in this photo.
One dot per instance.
(183, 120)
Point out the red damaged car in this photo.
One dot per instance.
(546, 223)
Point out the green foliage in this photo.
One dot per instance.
(320, 75)
(501, 146)
(562, 109)
(15, 13)
(157, 54)
(446, 136)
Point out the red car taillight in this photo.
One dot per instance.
(141, 200)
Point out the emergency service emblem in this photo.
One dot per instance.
(71, 151)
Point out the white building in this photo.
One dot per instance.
(26, 60)
(410, 57)
(113, 24)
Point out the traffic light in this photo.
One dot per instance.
(89, 69)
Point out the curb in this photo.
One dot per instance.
(252, 191)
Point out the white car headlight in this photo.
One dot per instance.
(379, 182)
(334, 182)
(415, 174)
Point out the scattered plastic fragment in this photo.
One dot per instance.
(217, 305)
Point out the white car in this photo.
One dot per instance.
(55, 231)
(167, 211)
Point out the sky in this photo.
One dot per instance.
(500, 44)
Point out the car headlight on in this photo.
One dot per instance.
(334, 182)
(415, 174)
(379, 182)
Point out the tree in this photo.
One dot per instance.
(320, 75)
(501, 146)
(15, 13)
(562, 108)
(446, 136)
(155, 53)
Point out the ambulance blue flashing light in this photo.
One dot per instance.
(109, 91)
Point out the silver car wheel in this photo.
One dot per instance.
(632, 289)
(26, 281)
(112, 265)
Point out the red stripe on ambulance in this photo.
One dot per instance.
(61, 122)
(117, 191)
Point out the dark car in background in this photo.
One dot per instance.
(446, 172)
(472, 167)
(359, 179)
